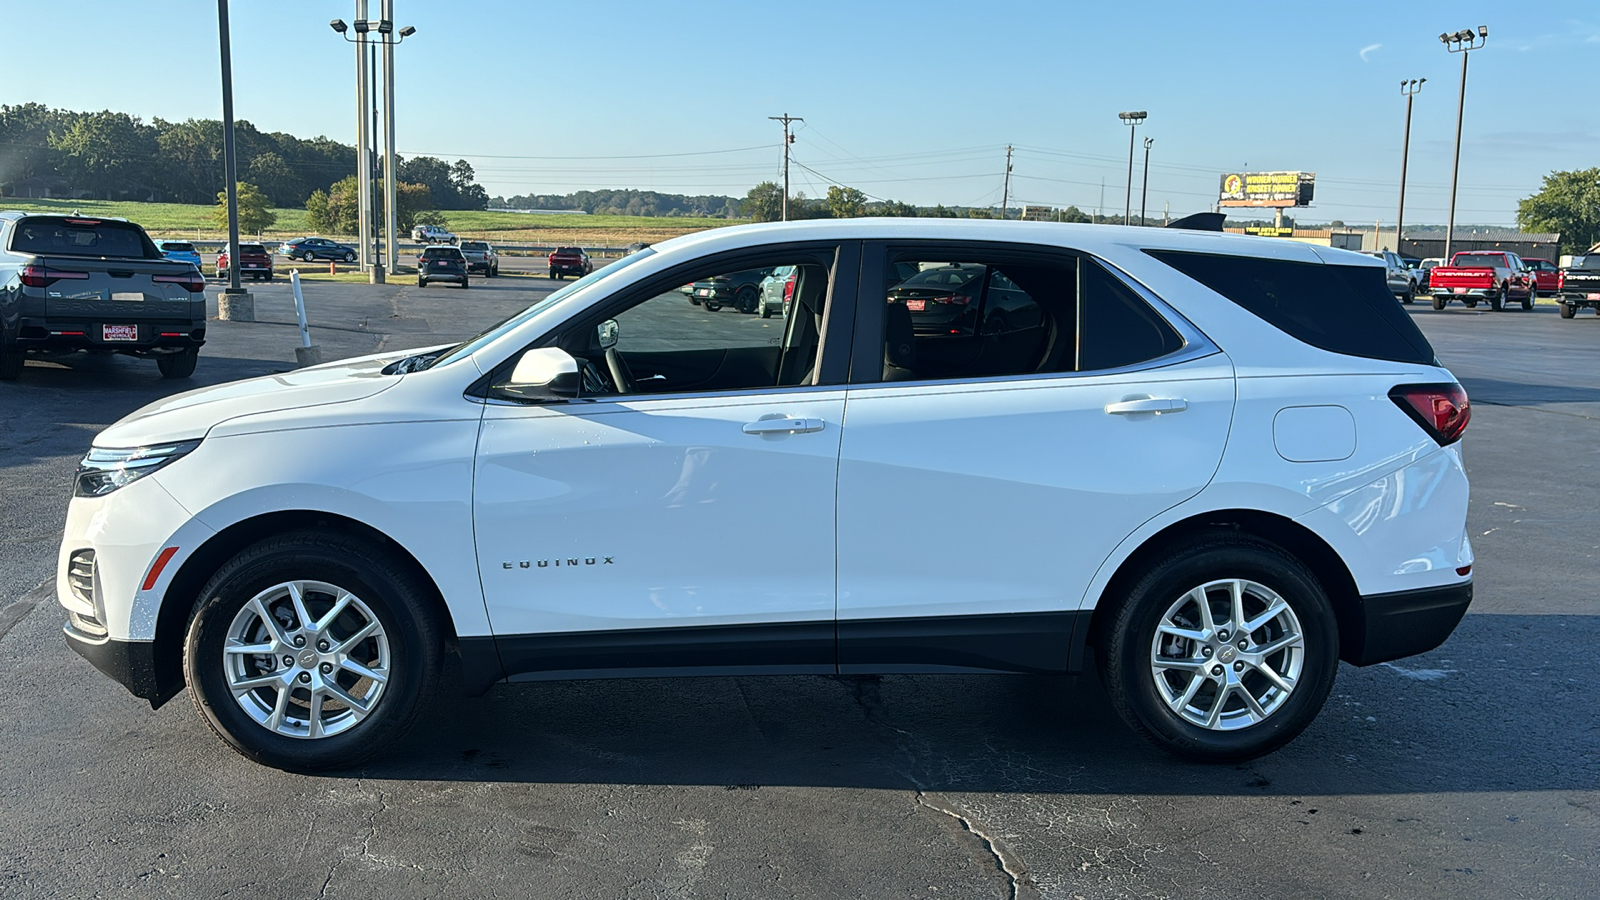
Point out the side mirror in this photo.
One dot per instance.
(543, 375)
(607, 333)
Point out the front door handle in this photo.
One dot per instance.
(1147, 405)
(783, 425)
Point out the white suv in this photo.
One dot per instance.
(1215, 465)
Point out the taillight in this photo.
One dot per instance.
(39, 276)
(788, 288)
(193, 281)
(1561, 280)
(1442, 410)
(952, 299)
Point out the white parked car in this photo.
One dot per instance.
(777, 291)
(1212, 466)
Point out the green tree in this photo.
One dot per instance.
(1569, 203)
(845, 202)
(107, 154)
(1074, 214)
(333, 211)
(277, 180)
(893, 208)
(764, 203)
(25, 150)
(255, 211)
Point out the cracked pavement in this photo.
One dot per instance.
(1472, 771)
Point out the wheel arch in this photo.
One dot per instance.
(1295, 539)
(183, 591)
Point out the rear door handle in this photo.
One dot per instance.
(783, 425)
(1147, 405)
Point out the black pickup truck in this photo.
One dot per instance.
(100, 285)
(1580, 285)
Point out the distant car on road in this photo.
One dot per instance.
(442, 263)
(1474, 275)
(432, 234)
(310, 248)
(254, 262)
(569, 261)
(481, 257)
(182, 251)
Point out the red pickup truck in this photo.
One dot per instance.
(1474, 275)
(569, 261)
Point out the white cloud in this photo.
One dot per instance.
(1368, 49)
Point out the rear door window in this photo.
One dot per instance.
(1344, 309)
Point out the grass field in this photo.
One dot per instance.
(174, 220)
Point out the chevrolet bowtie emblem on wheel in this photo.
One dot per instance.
(562, 562)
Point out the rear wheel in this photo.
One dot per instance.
(1497, 300)
(1439, 302)
(746, 299)
(178, 365)
(464, 283)
(349, 257)
(1221, 652)
(422, 282)
(307, 256)
(311, 651)
(1470, 304)
(711, 305)
(1568, 310)
(1408, 296)
(766, 311)
(1527, 302)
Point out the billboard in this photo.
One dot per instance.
(1278, 189)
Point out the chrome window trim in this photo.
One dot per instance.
(738, 393)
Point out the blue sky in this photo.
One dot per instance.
(909, 101)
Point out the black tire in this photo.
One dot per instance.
(10, 358)
(308, 256)
(710, 305)
(1527, 302)
(178, 365)
(1125, 646)
(745, 299)
(349, 257)
(1470, 304)
(1439, 302)
(422, 282)
(1568, 310)
(766, 311)
(465, 283)
(388, 590)
(1408, 297)
(695, 300)
(1497, 300)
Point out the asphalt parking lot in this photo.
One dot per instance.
(1472, 771)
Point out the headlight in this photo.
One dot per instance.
(105, 470)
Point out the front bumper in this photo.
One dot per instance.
(1405, 623)
(131, 664)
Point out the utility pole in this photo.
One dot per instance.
(1005, 191)
(363, 161)
(787, 140)
(1144, 192)
(1132, 120)
(1099, 211)
(390, 213)
(1461, 42)
(235, 304)
(1409, 90)
(373, 164)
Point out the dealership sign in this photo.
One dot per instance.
(1282, 189)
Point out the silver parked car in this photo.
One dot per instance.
(777, 291)
(1402, 280)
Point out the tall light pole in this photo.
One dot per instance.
(1144, 191)
(369, 34)
(1005, 189)
(787, 140)
(235, 304)
(1132, 120)
(1409, 90)
(1462, 42)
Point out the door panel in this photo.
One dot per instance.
(1005, 497)
(685, 370)
(674, 515)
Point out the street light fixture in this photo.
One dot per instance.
(369, 34)
(1408, 89)
(1132, 120)
(1462, 42)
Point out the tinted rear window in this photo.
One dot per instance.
(178, 246)
(251, 248)
(474, 245)
(1345, 309)
(445, 252)
(82, 237)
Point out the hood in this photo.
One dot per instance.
(192, 414)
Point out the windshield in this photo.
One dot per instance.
(469, 347)
(474, 245)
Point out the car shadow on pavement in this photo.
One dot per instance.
(1427, 724)
(1518, 393)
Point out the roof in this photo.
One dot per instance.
(1503, 235)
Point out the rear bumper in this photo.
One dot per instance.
(1406, 623)
(87, 334)
(131, 664)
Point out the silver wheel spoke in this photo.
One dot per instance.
(338, 607)
(356, 706)
(361, 635)
(267, 619)
(299, 601)
(275, 721)
(1236, 605)
(1267, 649)
(1277, 680)
(1275, 609)
(1198, 595)
(1195, 665)
(245, 685)
(1187, 634)
(1181, 702)
(314, 723)
(377, 675)
(1215, 714)
(249, 649)
(1254, 705)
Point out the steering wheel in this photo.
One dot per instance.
(621, 375)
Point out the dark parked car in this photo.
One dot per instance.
(309, 248)
(740, 290)
(962, 298)
(481, 257)
(101, 285)
(441, 264)
(254, 262)
(569, 261)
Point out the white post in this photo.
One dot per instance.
(307, 354)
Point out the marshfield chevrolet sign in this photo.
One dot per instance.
(1283, 189)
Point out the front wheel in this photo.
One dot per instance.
(746, 299)
(1527, 302)
(349, 257)
(1223, 651)
(1568, 310)
(311, 650)
(178, 365)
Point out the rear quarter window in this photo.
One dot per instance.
(1343, 309)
